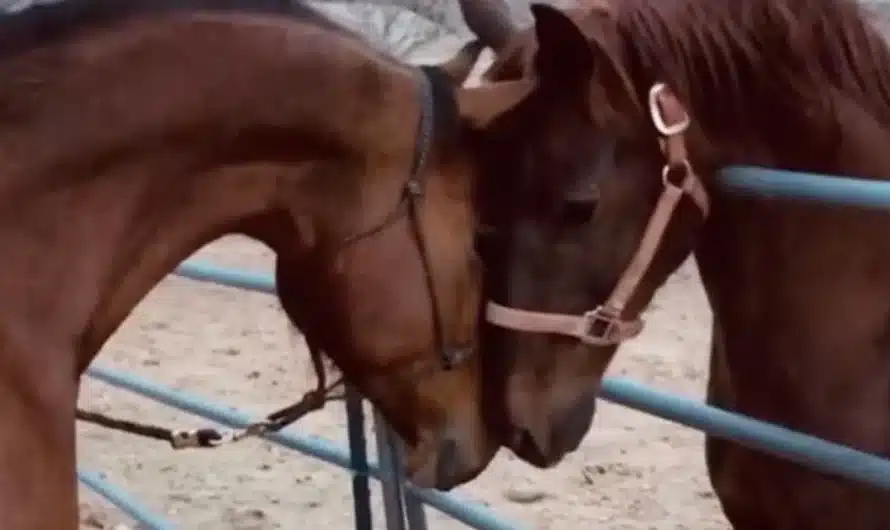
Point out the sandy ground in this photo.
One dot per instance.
(633, 472)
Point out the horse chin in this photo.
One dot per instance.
(433, 473)
(422, 462)
(443, 464)
(424, 475)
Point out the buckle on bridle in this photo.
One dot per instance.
(657, 115)
(600, 326)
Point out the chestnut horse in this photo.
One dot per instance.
(669, 92)
(132, 133)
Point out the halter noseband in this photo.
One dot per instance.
(605, 325)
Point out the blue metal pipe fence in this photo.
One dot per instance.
(807, 450)
(124, 501)
(830, 189)
(804, 449)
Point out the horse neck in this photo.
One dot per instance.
(837, 134)
(753, 251)
(187, 136)
(751, 84)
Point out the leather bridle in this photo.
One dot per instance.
(432, 85)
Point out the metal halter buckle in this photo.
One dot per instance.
(658, 118)
(599, 326)
(683, 169)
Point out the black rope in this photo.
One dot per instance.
(211, 437)
(140, 429)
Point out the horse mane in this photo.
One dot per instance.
(43, 24)
(779, 53)
(857, 57)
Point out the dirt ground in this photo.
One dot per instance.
(633, 472)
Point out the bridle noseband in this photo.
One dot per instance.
(606, 325)
(433, 87)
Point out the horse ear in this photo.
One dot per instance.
(490, 21)
(480, 105)
(459, 67)
(588, 60)
(563, 52)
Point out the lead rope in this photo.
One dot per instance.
(208, 437)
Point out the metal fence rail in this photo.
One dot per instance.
(124, 501)
(404, 512)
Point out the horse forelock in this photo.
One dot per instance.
(722, 55)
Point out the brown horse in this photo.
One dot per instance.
(133, 133)
(673, 91)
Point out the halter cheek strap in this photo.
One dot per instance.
(606, 325)
(435, 91)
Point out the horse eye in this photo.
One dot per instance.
(575, 212)
(485, 230)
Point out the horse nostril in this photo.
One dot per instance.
(526, 447)
(529, 442)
